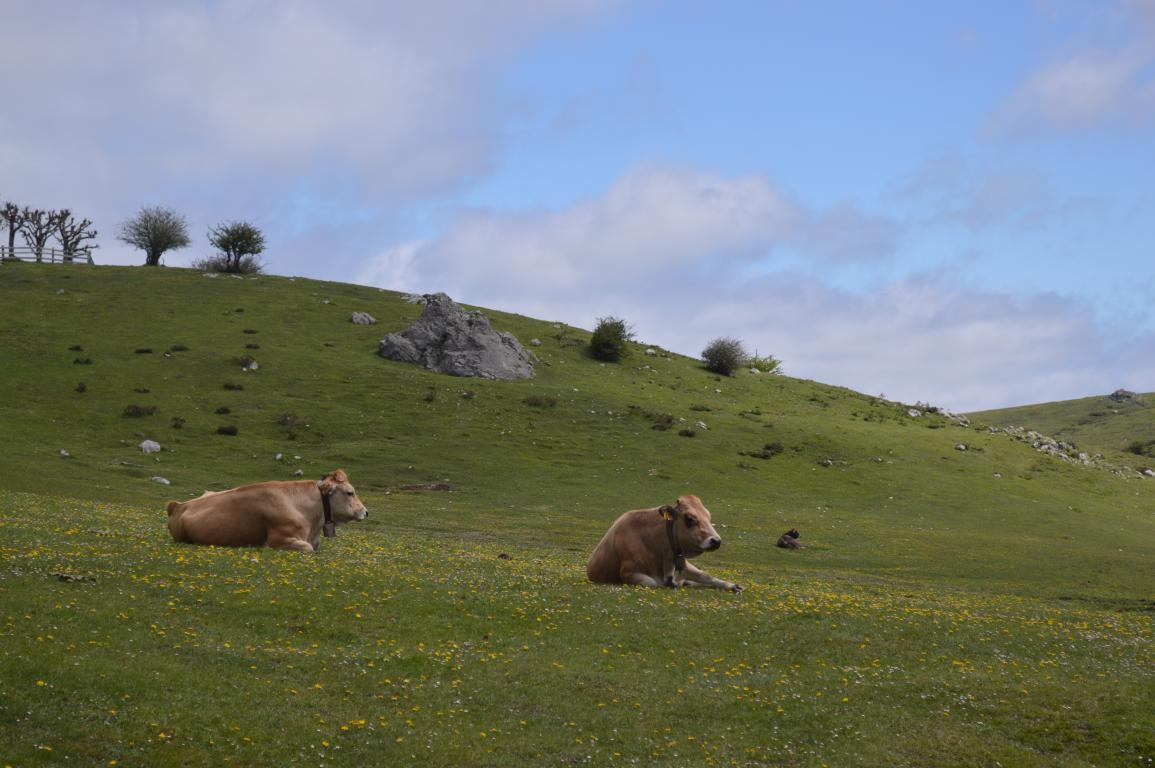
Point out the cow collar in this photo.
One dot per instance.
(330, 528)
(670, 515)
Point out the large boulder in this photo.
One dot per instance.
(452, 340)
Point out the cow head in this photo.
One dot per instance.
(692, 525)
(343, 498)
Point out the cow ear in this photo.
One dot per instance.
(326, 485)
(667, 512)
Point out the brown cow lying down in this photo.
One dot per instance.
(650, 547)
(282, 515)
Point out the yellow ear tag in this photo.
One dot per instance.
(667, 514)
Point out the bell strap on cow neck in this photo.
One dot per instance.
(670, 515)
(330, 528)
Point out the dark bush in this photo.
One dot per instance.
(610, 339)
(724, 355)
(248, 265)
(541, 401)
(136, 411)
(769, 450)
(228, 429)
(1142, 448)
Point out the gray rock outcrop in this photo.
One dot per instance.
(452, 340)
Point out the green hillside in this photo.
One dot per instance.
(1119, 424)
(961, 593)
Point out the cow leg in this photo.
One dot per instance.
(640, 579)
(695, 576)
(299, 545)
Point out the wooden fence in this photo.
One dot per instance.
(46, 255)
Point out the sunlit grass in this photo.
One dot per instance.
(394, 643)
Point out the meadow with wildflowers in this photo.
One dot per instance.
(987, 606)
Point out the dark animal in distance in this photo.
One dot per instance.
(789, 540)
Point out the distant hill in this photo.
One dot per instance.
(1120, 424)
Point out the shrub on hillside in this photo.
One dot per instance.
(245, 265)
(765, 364)
(610, 340)
(724, 355)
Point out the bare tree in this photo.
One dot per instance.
(37, 228)
(13, 218)
(71, 233)
(155, 230)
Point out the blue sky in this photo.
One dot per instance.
(940, 202)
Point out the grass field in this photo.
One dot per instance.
(962, 600)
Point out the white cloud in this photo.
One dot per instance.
(134, 102)
(1104, 84)
(651, 225)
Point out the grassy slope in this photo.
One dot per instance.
(1098, 424)
(909, 541)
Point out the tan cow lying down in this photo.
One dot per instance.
(650, 547)
(282, 515)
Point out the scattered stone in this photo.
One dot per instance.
(535, 342)
(1122, 396)
(150, 446)
(449, 339)
(961, 447)
(160, 480)
(363, 318)
(64, 454)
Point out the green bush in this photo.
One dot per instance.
(611, 338)
(724, 355)
(765, 364)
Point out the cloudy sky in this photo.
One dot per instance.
(943, 202)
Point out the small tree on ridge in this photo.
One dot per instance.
(610, 338)
(155, 230)
(239, 242)
(724, 355)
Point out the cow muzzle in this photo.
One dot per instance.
(712, 543)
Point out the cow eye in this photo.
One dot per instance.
(350, 493)
(690, 521)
